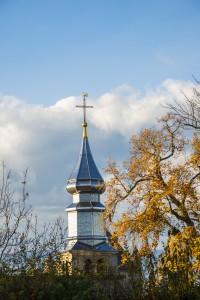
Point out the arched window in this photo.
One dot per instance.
(88, 266)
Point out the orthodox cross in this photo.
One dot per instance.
(84, 106)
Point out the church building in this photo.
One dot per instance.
(87, 243)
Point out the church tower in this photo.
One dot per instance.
(86, 230)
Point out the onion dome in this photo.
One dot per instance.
(85, 177)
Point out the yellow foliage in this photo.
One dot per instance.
(156, 192)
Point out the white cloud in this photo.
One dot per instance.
(127, 112)
(47, 139)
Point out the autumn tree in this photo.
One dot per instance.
(155, 193)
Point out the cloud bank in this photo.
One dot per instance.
(47, 139)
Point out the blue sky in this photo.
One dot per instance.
(130, 56)
(51, 49)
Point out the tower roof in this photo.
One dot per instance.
(85, 177)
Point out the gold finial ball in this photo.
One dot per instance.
(84, 124)
(85, 95)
